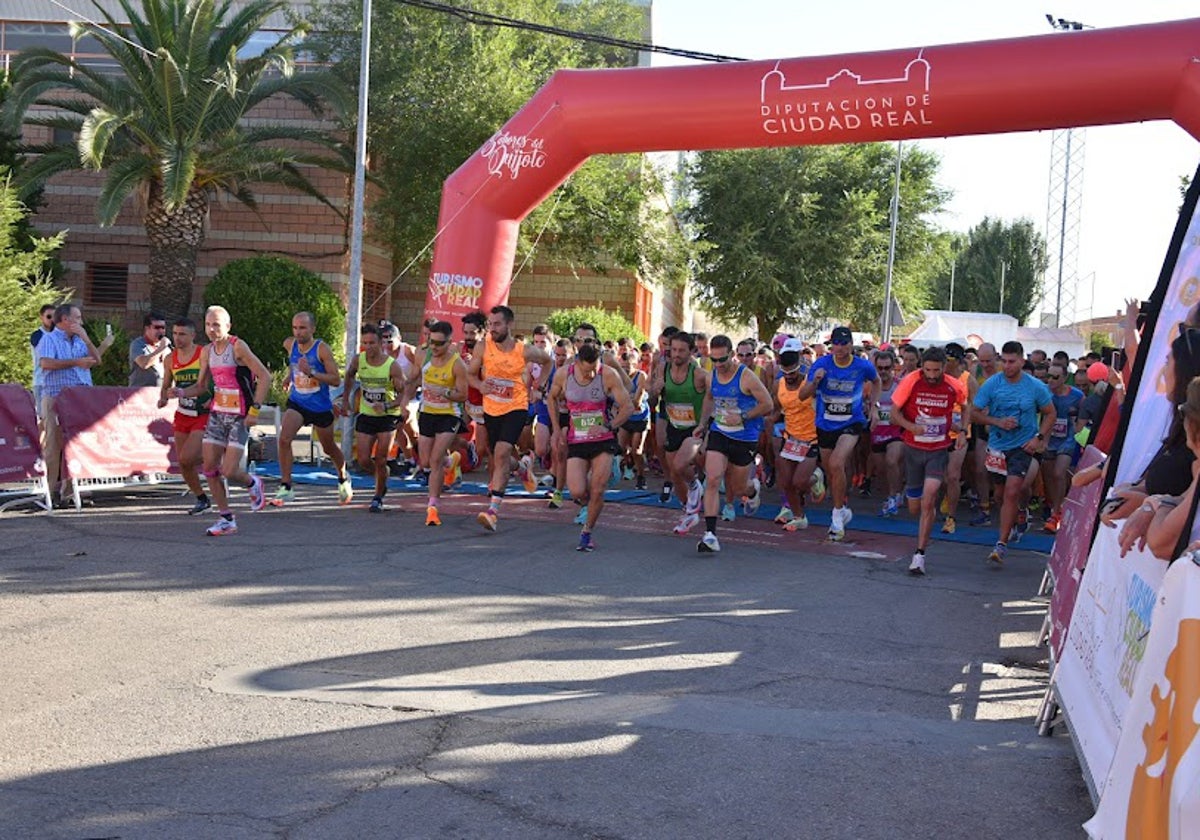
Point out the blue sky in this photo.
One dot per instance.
(1131, 180)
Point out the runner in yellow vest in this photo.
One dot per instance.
(383, 407)
(443, 389)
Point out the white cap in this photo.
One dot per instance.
(792, 345)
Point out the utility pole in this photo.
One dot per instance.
(887, 286)
(1003, 270)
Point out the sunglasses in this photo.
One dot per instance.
(840, 343)
(441, 343)
(790, 371)
(586, 341)
(882, 368)
(720, 360)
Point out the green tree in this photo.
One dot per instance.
(263, 293)
(24, 287)
(611, 324)
(992, 242)
(169, 126)
(440, 87)
(800, 235)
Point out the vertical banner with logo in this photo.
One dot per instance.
(1106, 640)
(115, 433)
(1070, 553)
(20, 450)
(1152, 791)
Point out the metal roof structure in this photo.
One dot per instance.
(44, 11)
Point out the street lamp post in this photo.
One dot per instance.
(887, 286)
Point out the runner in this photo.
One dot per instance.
(382, 406)
(1061, 449)
(443, 388)
(231, 414)
(683, 386)
(843, 406)
(312, 371)
(539, 415)
(956, 369)
(558, 442)
(736, 404)
(799, 473)
(887, 445)
(473, 326)
(659, 364)
(405, 354)
(924, 406)
(988, 366)
(583, 388)
(191, 414)
(1009, 405)
(499, 374)
(633, 431)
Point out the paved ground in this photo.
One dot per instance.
(327, 673)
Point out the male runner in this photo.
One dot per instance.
(1061, 449)
(887, 445)
(582, 390)
(229, 417)
(499, 374)
(191, 414)
(558, 442)
(443, 389)
(683, 386)
(633, 431)
(798, 452)
(659, 364)
(956, 369)
(843, 407)
(923, 405)
(987, 366)
(474, 324)
(312, 371)
(1009, 405)
(736, 403)
(382, 407)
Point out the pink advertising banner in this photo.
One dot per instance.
(1071, 547)
(115, 432)
(20, 451)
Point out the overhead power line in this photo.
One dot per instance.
(488, 19)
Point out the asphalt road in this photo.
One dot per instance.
(327, 673)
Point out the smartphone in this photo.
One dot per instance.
(1118, 360)
(108, 330)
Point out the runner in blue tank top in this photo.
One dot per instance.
(735, 404)
(311, 372)
(843, 406)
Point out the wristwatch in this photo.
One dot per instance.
(1041, 436)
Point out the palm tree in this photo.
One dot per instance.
(168, 127)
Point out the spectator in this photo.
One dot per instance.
(45, 327)
(148, 351)
(66, 356)
(1172, 519)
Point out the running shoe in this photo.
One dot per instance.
(949, 525)
(222, 528)
(816, 490)
(528, 479)
(431, 516)
(488, 520)
(664, 495)
(472, 455)
(640, 484)
(376, 505)
(984, 518)
(1022, 526)
(750, 504)
(345, 491)
(890, 507)
(547, 480)
(917, 566)
(945, 506)
(455, 469)
(614, 474)
(847, 515)
(784, 516)
(200, 506)
(864, 488)
(556, 499)
(581, 517)
(284, 494)
(728, 514)
(687, 523)
(627, 474)
(972, 499)
(837, 528)
(998, 554)
(695, 496)
(585, 542)
(258, 499)
(797, 523)
(1051, 526)
(708, 543)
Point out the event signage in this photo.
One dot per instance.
(115, 433)
(20, 451)
(1070, 553)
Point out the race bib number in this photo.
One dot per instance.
(302, 383)
(588, 425)
(227, 401)
(188, 407)
(436, 396)
(1060, 427)
(374, 399)
(995, 462)
(837, 411)
(681, 415)
(795, 449)
(475, 412)
(501, 389)
(884, 413)
(728, 416)
(931, 429)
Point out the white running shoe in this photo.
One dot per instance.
(728, 514)
(695, 496)
(750, 504)
(797, 523)
(784, 516)
(847, 515)
(837, 528)
(687, 523)
(345, 491)
(258, 499)
(816, 490)
(222, 528)
(581, 517)
(917, 567)
(708, 543)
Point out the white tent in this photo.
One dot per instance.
(967, 328)
(1052, 339)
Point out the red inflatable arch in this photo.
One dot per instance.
(1051, 81)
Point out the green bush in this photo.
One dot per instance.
(263, 293)
(114, 364)
(611, 325)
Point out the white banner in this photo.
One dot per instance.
(1153, 787)
(1104, 647)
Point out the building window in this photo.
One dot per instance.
(374, 302)
(107, 284)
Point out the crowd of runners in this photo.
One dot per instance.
(719, 420)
